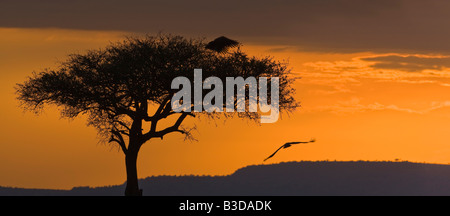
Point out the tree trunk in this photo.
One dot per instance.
(132, 188)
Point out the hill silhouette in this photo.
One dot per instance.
(287, 179)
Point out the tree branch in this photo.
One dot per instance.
(159, 114)
(174, 128)
(119, 140)
(123, 124)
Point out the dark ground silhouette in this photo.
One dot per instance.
(288, 179)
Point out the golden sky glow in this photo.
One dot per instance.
(359, 106)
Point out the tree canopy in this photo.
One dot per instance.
(116, 85)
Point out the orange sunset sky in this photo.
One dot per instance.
(375, 85)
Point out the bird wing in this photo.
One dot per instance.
(293, 143)
(274, 153)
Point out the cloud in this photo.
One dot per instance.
(390, 67)
(410, 63)
(326, 25)
(354, 105)
(281, 49)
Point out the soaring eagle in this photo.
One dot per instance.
(287, 145)
(222, 44)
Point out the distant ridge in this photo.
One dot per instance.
(360, 178)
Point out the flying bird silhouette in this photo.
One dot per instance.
(222, 44)
(287, 145)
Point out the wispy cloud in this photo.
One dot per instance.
(354, 105)
(409, 63)
(388, 67)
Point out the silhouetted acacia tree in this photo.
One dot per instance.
(125, 88)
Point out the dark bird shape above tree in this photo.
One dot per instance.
(287, 145)
(222, 44)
